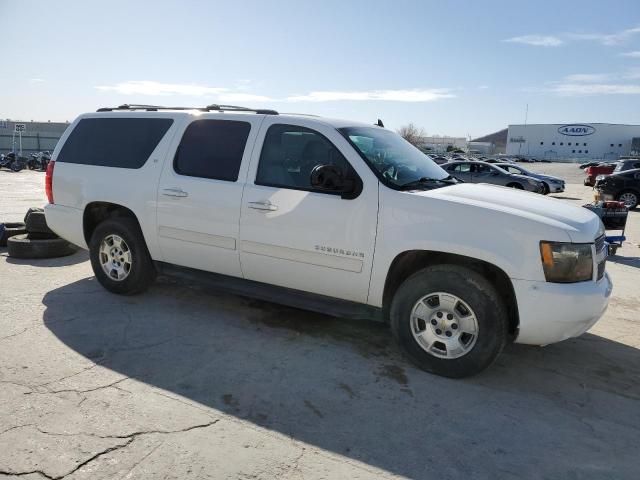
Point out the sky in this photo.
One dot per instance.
(462, 68)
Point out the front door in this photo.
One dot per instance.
(295, 236)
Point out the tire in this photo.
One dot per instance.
(16, 166)
(42, 236)
(630, 198)
(23, 246)
(32, 209)
(37, 223)
(545, 188)
(8, 230)
(141, 272)
(475, 295)
(517, 186)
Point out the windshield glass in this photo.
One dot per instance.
(394, 160)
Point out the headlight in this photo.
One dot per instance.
(566, 262)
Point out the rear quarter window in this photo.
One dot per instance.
(114, 142)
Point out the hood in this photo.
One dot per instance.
(582, 225)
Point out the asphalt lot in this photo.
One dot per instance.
(182, 382)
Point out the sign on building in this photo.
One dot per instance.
(20, 127)
(576, 130)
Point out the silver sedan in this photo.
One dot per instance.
(551, 184)
(482, 172)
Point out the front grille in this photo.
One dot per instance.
(601, 254)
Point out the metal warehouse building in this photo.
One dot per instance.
(574, 141)
(36, 136)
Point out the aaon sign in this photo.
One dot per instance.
(576, 130)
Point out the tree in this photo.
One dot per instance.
(412, 134)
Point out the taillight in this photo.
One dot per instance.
(48, 181)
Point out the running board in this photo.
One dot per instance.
(272, 293)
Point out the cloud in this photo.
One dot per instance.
(555, 40)
(483, 87)
(36, 80)
(412, 95)
(145, 87)
(240, 95)
(243, 97)
(635, 54)
(608, 39)
(537, 40)
(589, 89)
(587, 77)
(590, 84)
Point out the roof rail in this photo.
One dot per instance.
(208, 108)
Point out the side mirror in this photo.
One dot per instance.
(331, 178)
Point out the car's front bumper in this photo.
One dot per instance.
(552, 312)
(556, 187)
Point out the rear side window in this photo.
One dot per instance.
(114, 142)
(212, 149)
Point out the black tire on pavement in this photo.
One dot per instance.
(8, 230)
(142, 272)
(42, 236)
(472, 289)
(22, 246)
(37, 223)
(546, 190)
(32, 209)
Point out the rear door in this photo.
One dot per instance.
(200, 192)
(461, 171)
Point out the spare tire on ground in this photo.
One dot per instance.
(36, 222)
(8, 230)
(23, 246)
(31, 210)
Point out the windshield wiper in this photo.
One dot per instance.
(449, 180)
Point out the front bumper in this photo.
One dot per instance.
(556, 188)
(552, 312)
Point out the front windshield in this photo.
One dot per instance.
(395, 161)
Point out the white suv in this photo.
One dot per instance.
(328, 215)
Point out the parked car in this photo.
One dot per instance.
(337, 216)
(582, 166)
(550, 183)
(595, 170)
(627, 164)
(622, 186)
(482, 172)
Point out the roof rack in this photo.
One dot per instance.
(208, 108)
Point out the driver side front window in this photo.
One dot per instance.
(290, 153)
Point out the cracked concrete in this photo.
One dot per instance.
(182, 382)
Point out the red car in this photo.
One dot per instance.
(593, 172)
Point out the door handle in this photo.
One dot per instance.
(265, 205)
(174, 192)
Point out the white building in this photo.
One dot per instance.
(572, 141)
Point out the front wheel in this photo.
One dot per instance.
(545, 188)
(449, 320)
(119, 257)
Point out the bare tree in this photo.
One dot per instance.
(412, 134)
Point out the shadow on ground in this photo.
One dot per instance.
(78, 257)
(565, 410)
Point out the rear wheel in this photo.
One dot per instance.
(119, 257)
(449, 320)
(629, 198)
